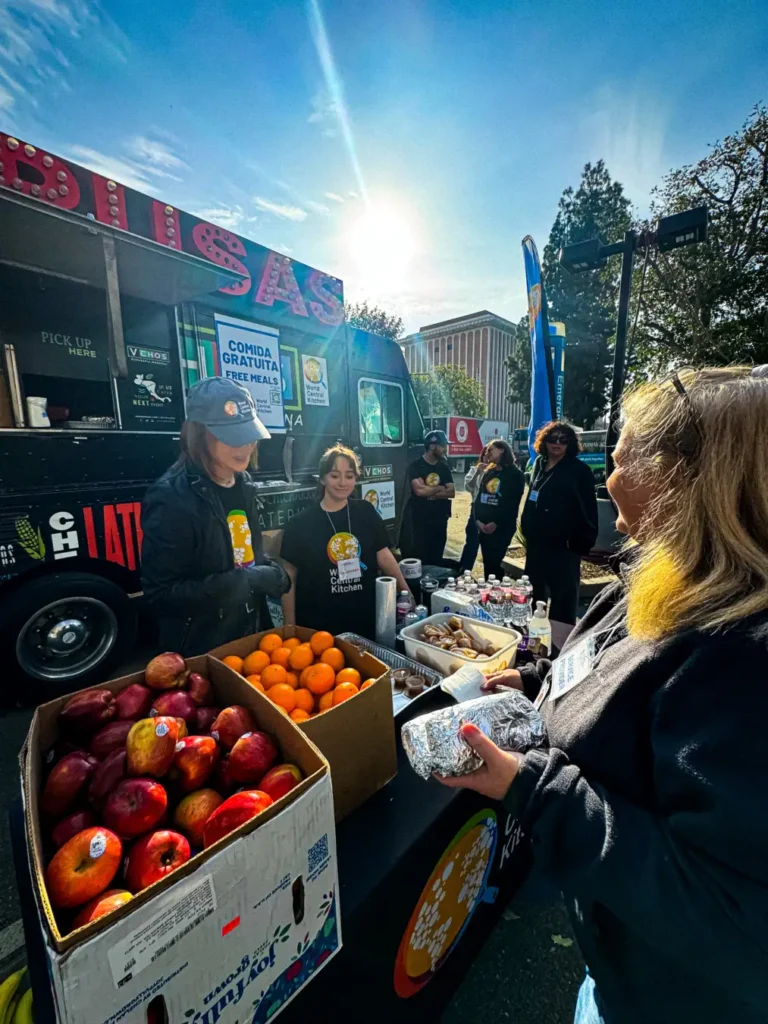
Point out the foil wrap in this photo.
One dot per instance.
(434, 745)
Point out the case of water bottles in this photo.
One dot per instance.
(501, 602)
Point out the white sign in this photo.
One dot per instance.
(382, 497)
(315, 375)
(250, 355)
(489, 430)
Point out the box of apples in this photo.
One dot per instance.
(140, 787)
(340, 696)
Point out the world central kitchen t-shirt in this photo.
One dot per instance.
(315, 541)
(233, 503)
(430, 509)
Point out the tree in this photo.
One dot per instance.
(586, 302)
(373, 319)
(708, 303)
(449, 391)
(519, 368)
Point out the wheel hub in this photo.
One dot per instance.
(66, 636)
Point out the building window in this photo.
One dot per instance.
(449, 346)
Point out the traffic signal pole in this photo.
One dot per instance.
(627, 249)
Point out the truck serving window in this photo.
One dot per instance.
(381, 412)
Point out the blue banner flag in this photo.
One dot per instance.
(542, 377)
(557, 341)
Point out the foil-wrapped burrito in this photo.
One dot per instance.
(434, 744)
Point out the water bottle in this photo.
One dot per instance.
(540, 630)
(519, 605)
(412, 617)
(526, 583)
(421, 612)
(403, 606)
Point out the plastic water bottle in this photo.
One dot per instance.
(411, 618)
(540, 630)
(519, 608)
(526, 583)
(403, 606)
(421, 611)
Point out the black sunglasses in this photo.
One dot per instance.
(557, 439)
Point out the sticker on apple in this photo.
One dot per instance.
(98, 845)
(161, 729)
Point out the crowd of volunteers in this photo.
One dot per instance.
(646, 809)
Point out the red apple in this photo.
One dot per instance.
(83, 867)
(151, 745)
(251, 756)
(230, 725)
(166, 672)
(193, 812)
(104, 904)
(86, 712)
(177, 704)
(66, 783)
(110, 737)
(280, 780)
(134, 702)
(194, 761)
(70, 826)
(153, 857)
(134, 806)
(199, 689)
(59, 750)
(233, 813)
(111, 771)
(205, 719)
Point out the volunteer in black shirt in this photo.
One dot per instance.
(559, 520)
(429, 507)
(332, 553)
(496, 505)
(203, 571)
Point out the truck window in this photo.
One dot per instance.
(380, 405)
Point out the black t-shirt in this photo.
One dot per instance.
(233, 503)
(430, 509)
(314, 542)
(498, 496)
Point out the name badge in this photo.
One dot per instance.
(349, 569)
(533, 496)
(572, 668)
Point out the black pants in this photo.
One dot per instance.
(555, 573)
(471, 544)
(429, 540)
(494, 547)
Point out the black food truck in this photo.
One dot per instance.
(111, 305)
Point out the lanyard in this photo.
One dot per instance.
(333, 528)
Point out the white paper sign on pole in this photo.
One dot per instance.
(382, 497)
(250, 355)
(315, 376)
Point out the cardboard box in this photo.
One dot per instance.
(358, 736)
(252, 918)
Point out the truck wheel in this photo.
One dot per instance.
(69, 630)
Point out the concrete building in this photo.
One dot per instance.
(480, 343)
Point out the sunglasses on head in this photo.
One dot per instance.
(557, 439)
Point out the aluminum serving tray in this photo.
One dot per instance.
(395, 660)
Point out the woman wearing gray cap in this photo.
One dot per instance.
(204, 574)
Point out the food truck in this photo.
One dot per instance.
(114, 303)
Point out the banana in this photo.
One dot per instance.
(7, 992)
(23, 1014)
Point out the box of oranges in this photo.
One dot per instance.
(339, 695)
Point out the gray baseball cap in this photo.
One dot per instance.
(227, 410)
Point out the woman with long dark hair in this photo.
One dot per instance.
(333, 552)
(204, 574)
(559, 520)
(496, 505)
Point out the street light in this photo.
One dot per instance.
(672, 232)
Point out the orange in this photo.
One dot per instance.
(301, 657)
(234, 662)
(333, 657)
(348, 675)
(367, 683)
(305, 700)
(292, 679)
(281, 656)
(292, 642)
(298, 715)
(255, 682)
(254, 663)
(343, 692)
(273, 674)
(270, 642)
(303, 676)
(326, 701)
(320, 641)
(320, 678)
(282, 695)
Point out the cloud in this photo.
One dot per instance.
(323, 109)
(6, 99)
(155, 153)
(129, 172)
(353, 195)
(320, 208)
(228, 217)
(279, 210)
(334, 197)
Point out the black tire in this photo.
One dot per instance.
(67, 630)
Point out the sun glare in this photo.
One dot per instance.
(382, 245)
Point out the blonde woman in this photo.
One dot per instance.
(471, 486)
(649, 808)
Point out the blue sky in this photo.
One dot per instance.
(405, 146)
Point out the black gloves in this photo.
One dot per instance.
(270, 579)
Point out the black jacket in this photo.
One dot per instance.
(565, 515)
(500, 506)
(649, 813)
(190, 582)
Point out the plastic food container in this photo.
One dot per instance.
(505, 640)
